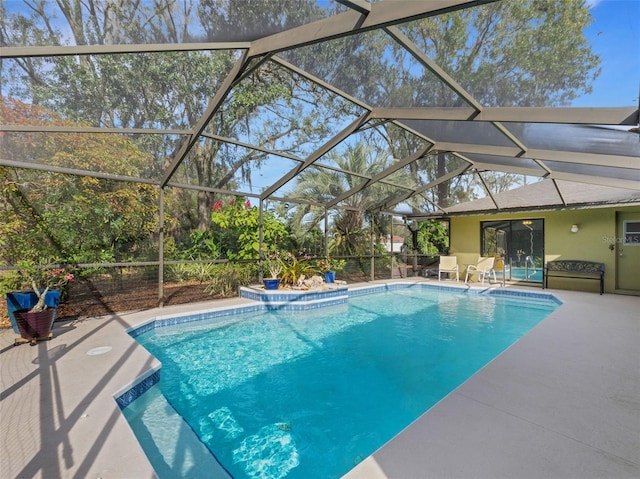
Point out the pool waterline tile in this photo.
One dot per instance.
(142, 385)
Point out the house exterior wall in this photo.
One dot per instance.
(597, 231)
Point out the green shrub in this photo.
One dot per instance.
(201, 272)
(228, 277)
(294, 268)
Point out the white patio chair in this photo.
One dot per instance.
(448, 265)
(483, 269)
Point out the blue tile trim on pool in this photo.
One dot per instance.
(523, 294)
(285, 296)
(298, 301)
(138, 390)
(138, 330)
(402, 285)
(301, 306)
(294, 301)
(160, 321)
(454, 289)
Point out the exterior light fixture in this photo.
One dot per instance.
(574, 228)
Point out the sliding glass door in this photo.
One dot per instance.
(518, 243)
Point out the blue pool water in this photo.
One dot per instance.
(311, 393)
(526, 274)
(522, 274)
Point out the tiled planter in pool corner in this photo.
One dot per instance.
(296, 300)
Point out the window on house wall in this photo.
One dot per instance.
(631, 233)
(520, 243)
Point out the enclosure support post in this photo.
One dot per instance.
(413, 229)
(394, 261)
(260, 240)
(161, 248)
(372, 249)
(326, 233)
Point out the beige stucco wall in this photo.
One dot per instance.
(591, 243)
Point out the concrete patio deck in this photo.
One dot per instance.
(563, 402)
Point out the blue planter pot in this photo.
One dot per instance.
(271, 283)
(27, 300)
(329, 276)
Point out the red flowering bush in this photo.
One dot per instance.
(331, 264)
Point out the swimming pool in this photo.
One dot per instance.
(312, 393)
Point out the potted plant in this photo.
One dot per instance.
(296, 268)
(33, 311)
(273, 260)
(328, 266)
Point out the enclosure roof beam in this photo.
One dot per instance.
(289, 156)
(431, 184)
(382, 14)
(74, 171)
(58, 51)
(519, 209)
(507, 151)
(90, 129)
(439, 208)
(300, 201)
(211, 110)
(555, 185)
(573, 115)
(152, 131)
(510, 136)
(435, 205)
(210, 189)
(248, 146)
(441, 179)
(328, 146)
(443, 76)
(597, 180)
(621, 182)
(319, 81)
(595, 159)
(381, 175)
(357, 5)
(542, 165)
(516, 141)
(241, 193)
(487, 189)
(355, 174)
(516, 170)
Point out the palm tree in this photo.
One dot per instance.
(360, 161)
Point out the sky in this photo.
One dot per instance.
(615, 37)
